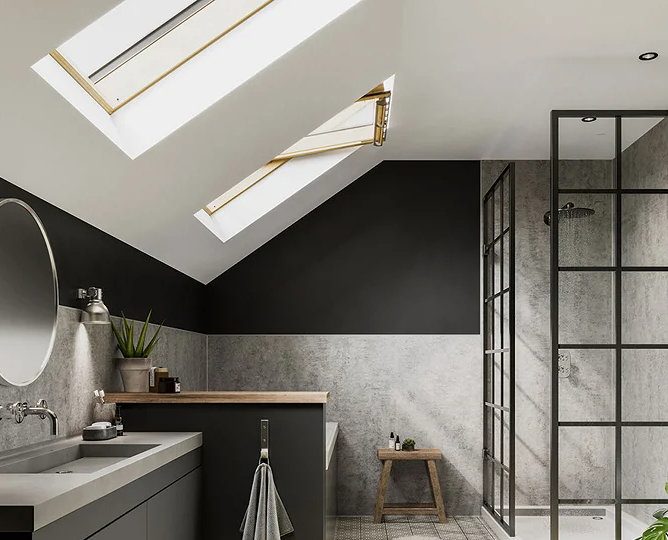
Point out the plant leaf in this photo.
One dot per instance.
(154, 341)
(119, 338)
(660, 513)
(150, 348)
(142, 335)
(131, 340)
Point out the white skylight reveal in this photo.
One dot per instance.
(363, 123)
(128, 72)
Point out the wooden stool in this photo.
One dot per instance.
(429, 456)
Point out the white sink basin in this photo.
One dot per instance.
(75, 458)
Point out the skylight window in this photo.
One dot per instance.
(114, 82)
(147, 67)
(363, 123)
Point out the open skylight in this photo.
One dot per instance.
(129, 71)
(116, 81)
(363, 123)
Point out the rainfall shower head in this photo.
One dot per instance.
(569, 211)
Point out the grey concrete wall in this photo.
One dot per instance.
(425, 387)
(81, 362)
(645, 319)
(586, 303)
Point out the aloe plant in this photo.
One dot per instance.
(125, 338)
(659, 529)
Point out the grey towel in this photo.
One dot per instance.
(266, 518)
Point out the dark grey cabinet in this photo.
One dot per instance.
(173, 514)
(161, 505)
(131, 526)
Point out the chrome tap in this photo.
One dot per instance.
(20, 410)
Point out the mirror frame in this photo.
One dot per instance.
(54, 273)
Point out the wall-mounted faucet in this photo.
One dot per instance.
(20, 410)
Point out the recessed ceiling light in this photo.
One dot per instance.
(648, 56)
(589, 119)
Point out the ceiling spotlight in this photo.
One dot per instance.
(648, 56)
(589, 119)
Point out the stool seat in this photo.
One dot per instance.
(429, 456)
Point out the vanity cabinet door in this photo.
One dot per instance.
(174, 513)
(131, 526)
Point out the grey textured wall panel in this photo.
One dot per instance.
(425, 387)
(82, 361)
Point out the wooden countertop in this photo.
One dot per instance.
(219, 397)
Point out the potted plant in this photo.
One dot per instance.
(659, 529)
(408, 444)
(135, 364)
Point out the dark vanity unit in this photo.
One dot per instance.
(145, 486)
(230, 423)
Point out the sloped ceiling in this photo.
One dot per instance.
(50, 150)
(474, 80)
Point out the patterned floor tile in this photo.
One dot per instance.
(406, 527)
(397, 530)
(423, 529)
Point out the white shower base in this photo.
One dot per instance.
(570, 527)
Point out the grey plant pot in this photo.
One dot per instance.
(134, 373)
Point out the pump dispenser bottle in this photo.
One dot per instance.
(391, 443)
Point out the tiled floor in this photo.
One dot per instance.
(412, 528)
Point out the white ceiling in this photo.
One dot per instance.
(474, 80)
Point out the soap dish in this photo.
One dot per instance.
(97, 433)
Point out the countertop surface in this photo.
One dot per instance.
(53, 496)
(219, 397)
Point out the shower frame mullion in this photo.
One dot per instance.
(618, 346)
(618, 328)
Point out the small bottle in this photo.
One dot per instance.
(118, 421)
(391, 443)
(397, 443)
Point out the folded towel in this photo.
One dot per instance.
(266, 517)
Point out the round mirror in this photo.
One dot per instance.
(28, 294)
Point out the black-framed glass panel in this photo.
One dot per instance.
(636, 518)
(587, 385)
(644, 152)
(586, 301)
(645, 222)
(587, 465)
(586, 229)
(643, 467)
(499, 351)
(586, 151)
(644, 301)
(598, 459)
(644, 388)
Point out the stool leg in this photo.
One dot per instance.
(436, 489)
(382, 490)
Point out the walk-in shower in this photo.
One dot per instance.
(588, 332)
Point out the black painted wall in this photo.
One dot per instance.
(396, 252)
(132, 281)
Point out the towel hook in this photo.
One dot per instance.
(264, 440)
